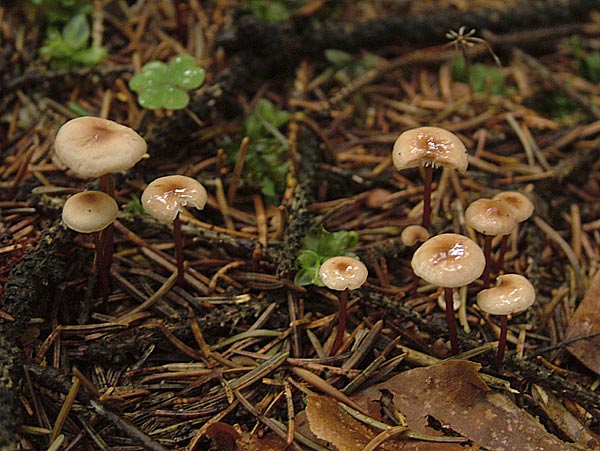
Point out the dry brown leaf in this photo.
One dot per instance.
(330, 423)
(453, 394)
(249, 442)
(586, 321)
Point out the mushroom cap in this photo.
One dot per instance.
(340, 273)
(92, 146)
(448, 260)
(518, 204)
(490, 217)
(426, 146)
(89, 211)
(414, 234)
(513, 293)
(165, 197)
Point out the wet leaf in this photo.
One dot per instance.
(453, 394)
(330, 423)
(586, 321)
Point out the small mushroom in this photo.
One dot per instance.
(521, 208)
(490, 218)
(449, 261)
(165, 197)
(512, 294)
(92, 212)
(429, 147)
(95, 147)
(342, 274)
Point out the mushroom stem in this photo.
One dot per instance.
(341, 329)
(427, 180)
(448, 296)
(105, 262)
(178, 241)
(501, 342)
(487, 252)
(107, 184)
(501, 254)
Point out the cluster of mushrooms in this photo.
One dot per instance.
(449, 260)
(95, 147)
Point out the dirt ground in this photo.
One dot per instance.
(287, 113)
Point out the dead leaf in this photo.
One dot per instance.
(249, 442)
(453, 394)
(330, 423)
(586, 321)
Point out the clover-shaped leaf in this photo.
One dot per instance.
(161, 85)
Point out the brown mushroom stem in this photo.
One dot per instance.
(448, 296)
(427, 180)
(178, 241)
(487, 252)
(501, 342)
(501, 254)
(107, 184)
(102, 262)
(341, 329)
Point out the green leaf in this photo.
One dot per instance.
(307, 258)
(90, 56)
(151, 98)
(77, 32)
(174, 99)
(338, 58)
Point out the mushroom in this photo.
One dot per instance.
(521, 208)
(429, 147)
(165, 197)
(490, 218)
(449, 261)
(95, 147)
(342, 274)
(92, 212)
(512, 294)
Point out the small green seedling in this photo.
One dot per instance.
(271, 10)
(318, 246)
(58, 11)
(483, 78)
(265, 166)
(161, 85)
(70, 48)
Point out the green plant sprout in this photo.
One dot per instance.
(59, 11)
(483, 78)
(161, 85)
(70, 48)
(318, 246)
(272, 10)
(588, 63)
(346, 67)
(266, 166)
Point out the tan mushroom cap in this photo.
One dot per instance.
(512, 294)
(426, 146)
(448, 260)
(340, 273)
(89, 211)
(92, 146)
(518, 204)
(414, 234)
(490, 217)
(166, 196)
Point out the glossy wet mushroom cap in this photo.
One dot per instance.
(92, 146)
(490, 217)
(518, 204)
(448, 260)
(89, 211)
(429, 146)
(340, 273)
(512, 294)
(414, 234)
(166, 196)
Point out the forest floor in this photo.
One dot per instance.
(242, 355)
